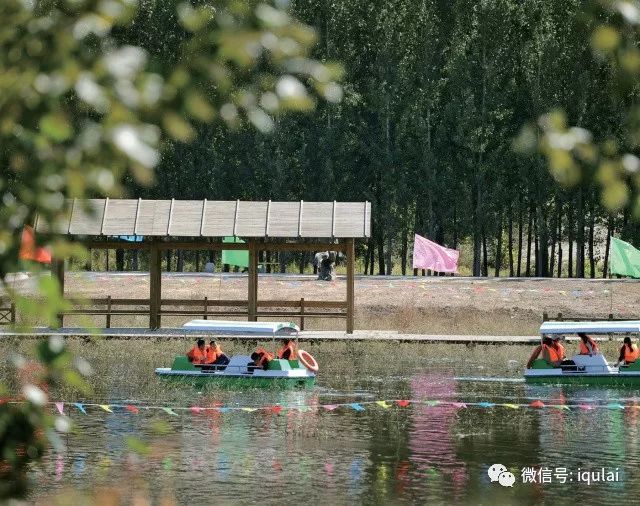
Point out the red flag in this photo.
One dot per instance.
(28, 249)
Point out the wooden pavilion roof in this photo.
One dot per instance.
(215, 218)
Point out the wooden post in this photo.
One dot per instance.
(302, 313)
(204, 315)
(253, 283)
(13, 313)
(108, 311)
(57, 268)
(155, 287)
(351, 253)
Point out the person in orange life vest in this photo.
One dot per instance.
(628, 353)
(215, 354)
(557, 345)
(587, 345)
(548, 352)
(197, 354)
(288, 351)
(261, 358)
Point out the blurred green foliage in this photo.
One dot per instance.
(80, 111)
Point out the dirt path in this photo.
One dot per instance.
(410, 305)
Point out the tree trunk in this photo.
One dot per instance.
(180, 260)
(403, 252)
(605, 267)
(388, 259)
(197, 260)
(580, 236)
(268, 262)
(520, 225)
(106, 260)
(542, 252)
(380, 253)
(135, 257)
(554, 237)
(510, 239)
(527, 272)
(485, 260)
(592, 260)
(498, 259)
(372, 254)
(570, 239)
(169, 260)
(87, 265)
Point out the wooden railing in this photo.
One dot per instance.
(7, 313)
(206, 308)
(560, 317)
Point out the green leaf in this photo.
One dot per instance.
(56, 127)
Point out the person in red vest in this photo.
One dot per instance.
(261, 359)
(288, 351)
(587, 345)
(215, 355)
(628, 353)
(198, 354)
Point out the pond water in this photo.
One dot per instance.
(436, 449)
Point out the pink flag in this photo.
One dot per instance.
(429, 255)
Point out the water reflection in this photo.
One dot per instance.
(416, 453)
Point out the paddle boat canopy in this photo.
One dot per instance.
(287, 373)
(586, 369)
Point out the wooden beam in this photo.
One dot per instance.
(155, 288)
(252, 283)
(216, 246)
(351, 253)
(104, 215)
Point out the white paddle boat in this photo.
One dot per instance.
(586, 369)
(283, 373)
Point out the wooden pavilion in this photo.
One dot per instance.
(202, 225)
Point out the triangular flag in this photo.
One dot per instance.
(403, 403)
(106, 408)
(80, 408)
(170, 411)
(249, 410)
(512, 406)
(615, 406)
(195, 410)
(537, 404)
(486, 404)
(431, 403)
(28, 249)
(561, 406)
(224, 410)
(60, 407)
(383, 404)
(132, 409)
(356, 406)
(458, 404)
(586, 407)
(329, 407)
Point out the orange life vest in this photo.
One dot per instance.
(559, 350)
(583, 347)
(553, 354)
(293, 354)
(630, 355)
(213, 352)
(197, 356)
